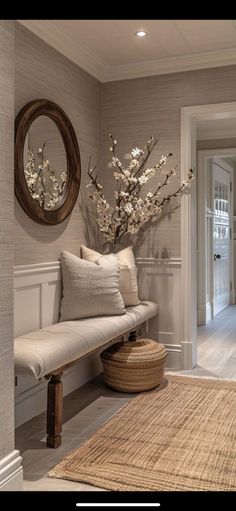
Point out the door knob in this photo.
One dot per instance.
(217, 256)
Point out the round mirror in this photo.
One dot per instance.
(47, 162)
(45, 166)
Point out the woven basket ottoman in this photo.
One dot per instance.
(134, 366)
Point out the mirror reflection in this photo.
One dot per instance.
(45, 164)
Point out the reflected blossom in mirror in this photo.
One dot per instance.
(45, 185)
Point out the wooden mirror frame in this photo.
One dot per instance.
(23, 121)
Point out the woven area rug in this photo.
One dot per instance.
(181, 437)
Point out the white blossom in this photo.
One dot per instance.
(128, 208)
(163, 159)
(136, 152)
(36, 178)
(117, 175)
(142, 179)
(116, 162)
(133, 164)
(150, 172)
(132, 179)
(131, 211)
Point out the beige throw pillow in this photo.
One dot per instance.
(90, 289)
(128, 272)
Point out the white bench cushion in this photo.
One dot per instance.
(39, 353)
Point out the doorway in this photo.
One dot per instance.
(216, 332)
(190, 116)
(215, 246)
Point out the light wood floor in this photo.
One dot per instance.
(217, 344)
(87, 408)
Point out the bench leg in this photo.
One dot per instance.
(54, 411)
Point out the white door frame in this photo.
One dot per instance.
(189, 117)
(203, 158)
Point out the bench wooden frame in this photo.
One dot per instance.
(55, 394)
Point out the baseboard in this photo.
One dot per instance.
(209, 310)
(201, 315)
(33, 401)
(174, 351)
(189, 356)
(174, 356)
(204, 313)
(11, 472)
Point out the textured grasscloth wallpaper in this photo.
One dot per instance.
(135, 109)
(42, 72)
(132, 110)
(6, 236)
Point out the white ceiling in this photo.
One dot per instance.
(109, 49)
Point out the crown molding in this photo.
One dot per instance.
(50, 32)
(189, 62)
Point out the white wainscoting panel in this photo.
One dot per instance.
(159, 280)
(37, 292)
(37, 289)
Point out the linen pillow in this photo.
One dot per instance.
(128, 283)
(90, 289)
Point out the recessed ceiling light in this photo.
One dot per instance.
(141, 33)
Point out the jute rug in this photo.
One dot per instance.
(182, 437)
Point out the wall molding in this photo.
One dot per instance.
(37, 268)
(189, 117)
(164, 261)
(50, 32)
(11, 472)
(37, 290)
(174, 356)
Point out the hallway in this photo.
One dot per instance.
(216, 350)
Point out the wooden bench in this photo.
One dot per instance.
(48, 351)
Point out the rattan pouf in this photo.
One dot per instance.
(134, 366)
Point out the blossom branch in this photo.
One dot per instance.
(184, 186)
(46, 194)
(131, 211)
